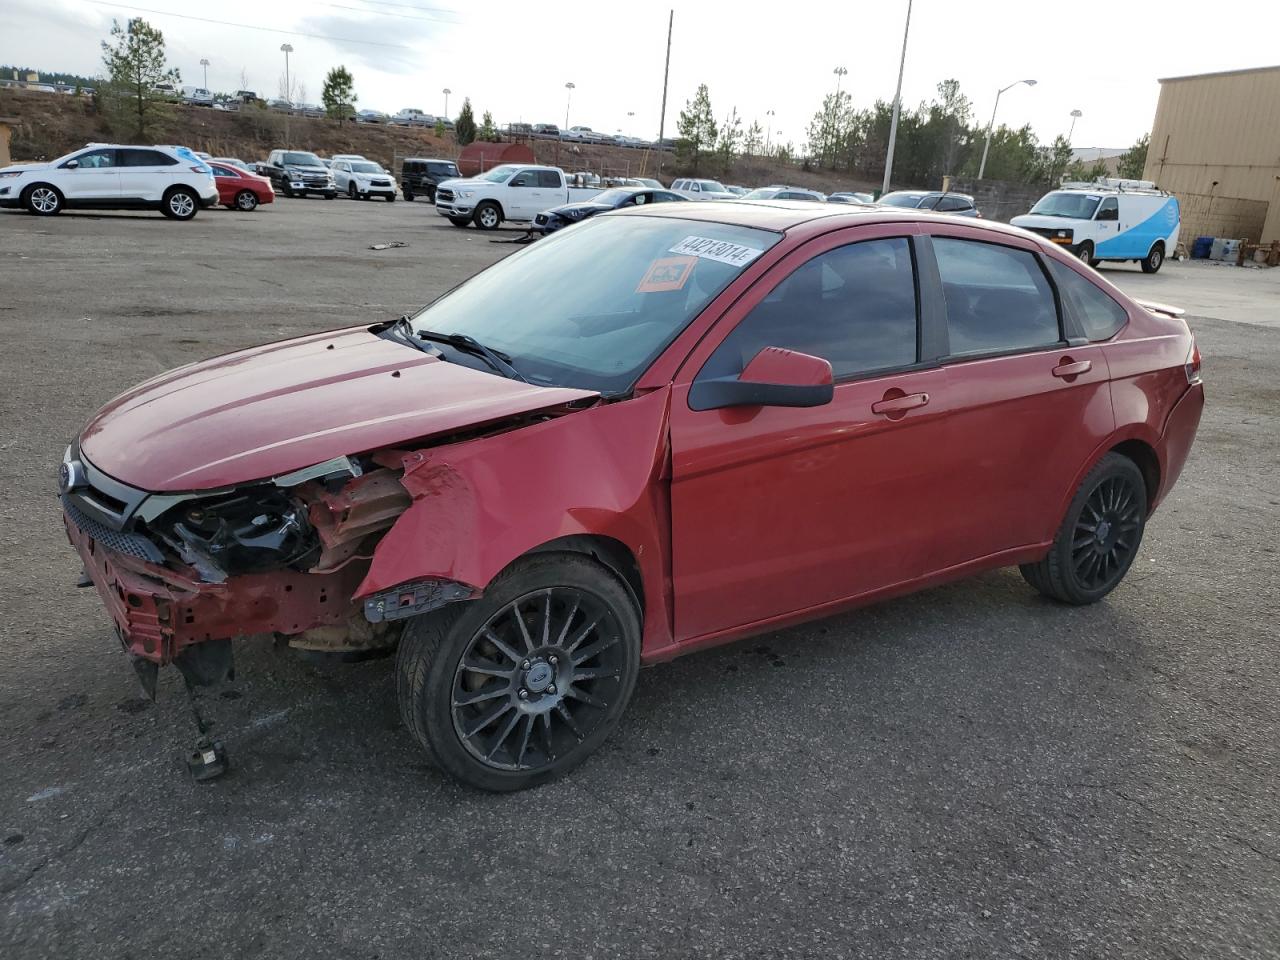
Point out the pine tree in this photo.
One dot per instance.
(135, 62)
(464, 128)
(697, 130)
(488, 132)
(338, 94)
(1134, 160)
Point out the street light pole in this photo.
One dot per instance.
(840, 73)
(447, 91)
(205, 63)
(897, 106)
(1075, 115)
(768, 130)
(567, 100)
(287, 49)
(982, 167)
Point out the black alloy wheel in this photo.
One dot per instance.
(1099, 537)
(522, 684)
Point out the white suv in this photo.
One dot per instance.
(363, 179)
(105, 176)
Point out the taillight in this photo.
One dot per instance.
(1192, 365)
(198, 170)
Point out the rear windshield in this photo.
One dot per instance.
(1074, 206)
(901, 199)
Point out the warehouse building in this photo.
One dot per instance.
(1215, 144)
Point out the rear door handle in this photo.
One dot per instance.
(1073, 369)
(900, 404)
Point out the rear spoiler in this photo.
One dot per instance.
(1164, 308)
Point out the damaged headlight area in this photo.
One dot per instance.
(253, 530)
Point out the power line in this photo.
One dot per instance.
(382, 13)
(410, 6)
(249, 26)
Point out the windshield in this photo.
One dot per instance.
(498, 174)
(764, 193)
(366, 168)
(712, 186)
(1076, 206)
(302, 159)
(593, 306)
(901, 199)
(612, 198)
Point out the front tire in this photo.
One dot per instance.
(520, 686)
(180, 204)
(459, 221)
(408, 197)
(1084, 253)
(247, 201)
(43, 200)
(1099, 536)
(488, 216)
(1154, 260)
(351, 191)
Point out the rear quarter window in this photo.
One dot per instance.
(1099, 316)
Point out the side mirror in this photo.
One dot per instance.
(519, 182)
(72, 164)
(775, 377)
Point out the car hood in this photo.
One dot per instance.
(280, 407)
(1038, 221)
(305, 168)
(15, 167)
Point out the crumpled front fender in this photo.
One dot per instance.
(480, 504)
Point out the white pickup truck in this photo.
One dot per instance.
(513, 191)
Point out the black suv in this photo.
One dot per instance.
(420, 177)
(295, 173)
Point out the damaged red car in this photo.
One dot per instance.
(660, 430)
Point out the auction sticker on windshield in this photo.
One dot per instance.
(722, 251)
(668, 273)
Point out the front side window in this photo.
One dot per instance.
(854, 306)
(1109, 209)
(1098, 315)
(592, 307)
(96, 160)
(221, 171)
(998, 299)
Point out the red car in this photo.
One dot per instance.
(239, 189)
(664, 429)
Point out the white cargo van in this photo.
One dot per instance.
(1108, 220)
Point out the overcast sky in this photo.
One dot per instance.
(514, 58)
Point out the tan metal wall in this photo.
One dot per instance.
(1223, 127)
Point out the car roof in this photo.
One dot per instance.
(781, 216)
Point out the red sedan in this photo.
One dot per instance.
(239, 189)
(661, 430)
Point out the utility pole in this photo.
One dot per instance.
(666, 72)
(897, 107)
(204, 62)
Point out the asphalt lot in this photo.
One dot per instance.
(970, 772)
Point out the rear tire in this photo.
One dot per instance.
(514, 714)
(391, 198)
(43, 200)
(180, 204)
(1099, 537)
(408, 197)
(246, 200)
(1154, 260)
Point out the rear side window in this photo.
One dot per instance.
(145, 158)
(998, 299)
(221, 171)
(854, 306)
(1099, 316)
(954, 203)
(548, 178)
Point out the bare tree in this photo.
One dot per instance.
(244, 79)
(301, 88)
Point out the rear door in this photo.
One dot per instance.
(145, 174)
(94, 178)
(1030, 397)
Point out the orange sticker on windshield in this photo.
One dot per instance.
(669, 273)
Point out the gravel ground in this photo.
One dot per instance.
(969, 772)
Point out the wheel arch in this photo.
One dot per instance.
(608, 551)
(1148, 461)
(31, 187)
(1140, 444)
(502, 213)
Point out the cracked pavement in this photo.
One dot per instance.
(968, 772)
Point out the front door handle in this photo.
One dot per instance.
(1069, 368)
(892, 405)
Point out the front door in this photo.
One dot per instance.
(777, 510)
(95, 177)
(525, 199)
